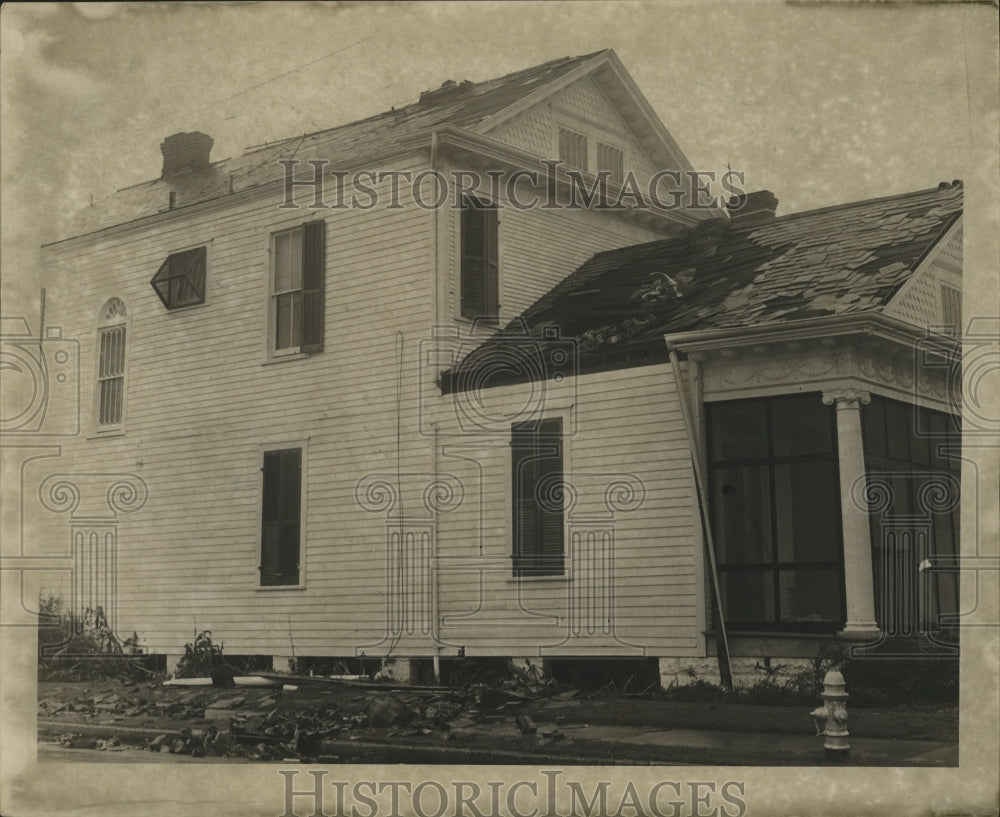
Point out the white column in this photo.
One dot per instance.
(858, 583)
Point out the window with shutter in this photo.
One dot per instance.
(280, 517)
(109, 401)
(180, 280)
(537, 474)
(480, 267)
(298, 260)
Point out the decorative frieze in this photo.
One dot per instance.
(819, 367)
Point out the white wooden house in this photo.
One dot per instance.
(303, 444)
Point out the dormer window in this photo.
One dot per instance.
(611, 159)
(180, 280)
(573, 148)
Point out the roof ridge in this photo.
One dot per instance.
(956, 185)
(403, 107)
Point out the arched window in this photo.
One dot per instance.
(109, 402)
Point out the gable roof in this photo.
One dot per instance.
(849, 258)
(471, 105)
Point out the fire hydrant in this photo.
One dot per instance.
(831, 718)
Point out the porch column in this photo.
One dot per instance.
(858, 584)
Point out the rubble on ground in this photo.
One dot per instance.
(293, 717)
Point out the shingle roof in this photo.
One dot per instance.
(461, 104)
(832, 261)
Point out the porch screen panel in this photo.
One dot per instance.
(775, 512)
(913, 454)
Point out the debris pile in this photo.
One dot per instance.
(302, 721)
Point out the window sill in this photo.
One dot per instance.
(533, 579)
(174, 310)
(107, 435)
(271, 588)
(487, 326)
(282, 358)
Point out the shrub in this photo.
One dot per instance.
(200, 657)
(699, 691)
(76, 647)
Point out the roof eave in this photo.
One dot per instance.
(469, 141)
(871, 323)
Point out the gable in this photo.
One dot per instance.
(584, 109)
(922, 299)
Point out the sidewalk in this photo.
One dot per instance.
(565, 730)
(566, 744)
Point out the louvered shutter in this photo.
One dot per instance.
(473, 253)
(279, 562)
(480, 259)
(491, 277)
(536, 460)
(313, 275)
(524, 474)
(550, 512)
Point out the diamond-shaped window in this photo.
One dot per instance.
(180, 280)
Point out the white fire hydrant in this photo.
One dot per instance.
(831, 718)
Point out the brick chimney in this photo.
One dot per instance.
(752, 208)
(185, 153)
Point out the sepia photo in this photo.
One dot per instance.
(500, 409)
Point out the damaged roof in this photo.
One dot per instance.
(720, 274)
(464, 104)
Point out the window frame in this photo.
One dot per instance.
(951, 307)
(562, 128)
(263, 450)
(305, 346)
(105, 325)
(491, 226)
(204, 292)
(775, 566)
(542, 440)
(621, 151)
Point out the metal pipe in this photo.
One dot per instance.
(722, 645)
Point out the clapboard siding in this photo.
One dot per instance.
(537, 249)
(584, 108)
(655, 560)
(203, 401)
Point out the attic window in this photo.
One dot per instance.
(951, 307)
(611, 159)
(180, 280)
(573, 148)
